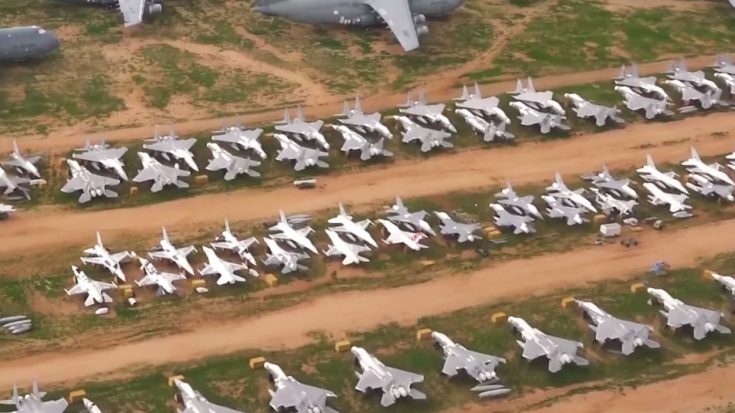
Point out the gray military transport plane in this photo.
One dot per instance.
(18, 44)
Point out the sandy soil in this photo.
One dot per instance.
(440, 88)
(528, 163)
(363, 310)
(680, 5)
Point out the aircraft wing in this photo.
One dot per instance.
(146, 174)
(532, 118)
(218, 163)
(532, 350)
(94, 260)
(56, 406)
(147, 280)
(173, 276)
(369, 380)
(611, 329)
(172, 172)
(201, 406)
(564, 345)
(185, 251)
(288, 152)
(77, 289)
(132, 11)
(104, 286)
(404, 377)
(159, 254)
(120, 256)
(294, 393)
(74, 184)
(397, 14)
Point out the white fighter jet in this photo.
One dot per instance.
(690, 93)
(99, 255)
(166, 251)
(164, 280)
(290, 394)
(394, 383)
(712, 171)
(234, 165)
(101, 156)
(33, 402)
(89, 406)
(357, 230)
(299, 129)
(194, 402)
(586, 109)
(723, 64)
(651, 107)
(488, 130)
(609, 204)
(399, 236)
(22, 164)
(88, 183)
(546, 121)
(729, 81)
(479, 366)
(676, 202)
(644, 86)
(606, 182)
(727, 282)
(171, 148)
(417, 220)
(95, 290)
(464, 232)
(521, 223)
(428, 138)
(160, 174)
(304, 157)
(678, 314)
(705, 187)
(485, 107)
(297, 237)
(13, 185)
(678, 71)
(288, 260)
(226, 270)
(427, 114)
(353, 141)
(340, 247)
(558, 209)
(538, 101)
(363, 122)
(536, 343)
(650, 173)
(239, 138)
(228, 241)
(521, 205)
(560, 190)
(606, 327)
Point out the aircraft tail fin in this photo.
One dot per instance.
(227, 225)
(15, 147)
(358, 105)
(695, 155)
(477, 92)
(519, 86)
(99, 239)
(282, 216)
(342, 210)
(106, 298)
(299, 112)
(387, 399)
(649, 161)
(164, 233)
(286, 116)
(530, 86)
(465, 93)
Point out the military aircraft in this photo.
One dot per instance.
(99, 255)
(417, 220)
(676, 202)
(488, 130)
(101, 156)
(353, 141)
(723, 64)
(652, 107)
(14, 186)
(171, 148)
(394, 383)
(300, 130)
(160, 174)
(340, 247)
(712, 171)
(464, 232)
(427, 137)
(426, 114)
(164, 280)
(304, 157)
(90, 406)
(705, 187)
(586, 109)
(228, 241)
(521, 205)
(607, 327)
(727, 282)
(134, 12)
(233, 164)
(291, 394)
(558, 209)
(90, 184)
(95, 290)
(245, 139)
(22, 164)
(363, 122)
(166, 251)
(357, 230)
(729, 81)
(289, 260)
(20, 44)
(484, 107)
(520, 223)
(406, 19)
(689, 93)
(560, 190)
(606, 182)
(546, 121)
(536, 343)
(542, 102)
(194, 402)
(225, 269)
(609, 204)
(33, 402)
(5, 210)
(643, 86)
(650, 173)
(398, 236)
(678, 71)
(678, 314)
(298, 238)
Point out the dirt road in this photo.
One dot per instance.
(437, 89)
(528, 163)
(364, 310)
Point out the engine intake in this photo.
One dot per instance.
(154, 8)
(419, 19)
(422, 30)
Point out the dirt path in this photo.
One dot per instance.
(438, 90)
(364, 310)
(529, 163)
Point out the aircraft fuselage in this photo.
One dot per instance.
(25, 43)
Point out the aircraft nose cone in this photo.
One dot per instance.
(50, 43)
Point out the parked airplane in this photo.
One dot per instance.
(690, 93)
(521, 205)
(160, 174)
(358, 230)
(676, 202)
(678, 314)
(297, 237)
(479, 366)
(729, 81)
(606, 182)
(228, 241)
(233, 164)
(488, 130)
(586, 109)
(712, 171)
(363, 122)
(484, 107)
(609, 204)
(542, 102)
(353, 141)
(546, 121)
(394, 383)
(166, 251)
(644, 86)
(90, 184)
(90, 406)
(557, 209)
(226, 270)
(723, 64)
(290, 261)
(652, 107)
(417, 220)
(727, 282)
(290, 393)
(607, 327)
(428, 138)
(304, 157)
(426, 114)
(171, 148)
(194, 402)
(464, 232)
(13, 185)
(22, 164)
(164, 280)
(299, 129)
(237, 137)
(19, 44)
(559, 189)
(398, 236)
(33, 402)
(99, 255)
(101, 156)
(678, 71)
(95, 290)
(520, 223)
(536, 343)
(340, 247)
(705, 187)
(650, 173)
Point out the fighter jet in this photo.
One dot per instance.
(464, 232)
(363, 122)
(542, 102)
(586, 109)
(560, 190)
(289, 260)
(160, 174)
(690, 93)
(521, 205)
(20, 44)
(651, 106)
(520, 223)
(99, 255)
(607, 183)
(22, 164)
(95, 290)
(353, 141)
(723, 64)
(417, 220)
(164, 280)
(712, 171)
(134, 12)
(536, 343)
(291, 394)
(228, 241)
(33, 402)
(426, 114)
(394, 383)
(607, 327)
(546, 121)
(727, 282)
(729, 81)
(194, 402)
(643, 86)
(298, 238)
(488, 130)
(484, 107)
(678, 314)
(166, 251)
(226, 270)
(171, 148)
(237, 137)
(678, 71)
(90, 184)
(676, 202)
(427, 137)
(100, 156)
(304, 157)
(14, 186)
(609, 204)
(479, 366)
(6, 210)
(650, 173)
(233, 164)
(557, 209)
(299, 129)
(340, 247)
(705, 187)
(399, 236)
(89, 406)
(357, 230)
